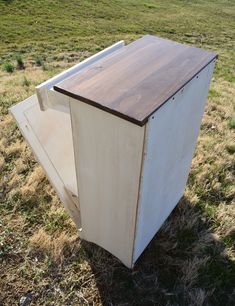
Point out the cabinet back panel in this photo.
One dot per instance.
(170, 143)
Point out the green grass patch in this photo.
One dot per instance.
(8, 67)
(230, 148)
(231, 123)
(20, 62)
(213, 93)
(55, 222)
(39, 61)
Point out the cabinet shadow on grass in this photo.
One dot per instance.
(184, 264)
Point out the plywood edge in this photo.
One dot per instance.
(144, 150)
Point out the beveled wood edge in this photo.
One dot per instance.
(121, 115)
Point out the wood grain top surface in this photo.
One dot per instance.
(137, 79)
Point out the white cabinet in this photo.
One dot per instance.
(116, 136)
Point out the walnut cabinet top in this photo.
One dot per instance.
(136, 80)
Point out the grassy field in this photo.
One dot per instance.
(191, 261)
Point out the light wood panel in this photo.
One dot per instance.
(53, 130)
(169, 146)
(108, 156)
(49, 135)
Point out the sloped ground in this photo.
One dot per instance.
(191, 261)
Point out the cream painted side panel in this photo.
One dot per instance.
(169, 147)
(108, 157)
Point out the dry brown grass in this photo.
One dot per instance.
(91, 269)
(190, 270)
(43, 254)
(32, 182)
(58, 248)
(2, 162)
(191, 261)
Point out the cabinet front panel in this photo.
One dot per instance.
(108, 157)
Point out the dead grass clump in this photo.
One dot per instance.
(204, 241)
(57, 247)
(6, 122)
(50, 192)
(3, 144)
(9, 144)
(2, 162)
(36, 176)
(27, 156)
(16, 148)
(14, 182)
(185, 218)
(63, 246)
(20, 166)
(32, 182)
(198, 296)
(35, 75)
(190, 270)
(226, 220)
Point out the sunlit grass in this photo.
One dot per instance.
(191, 261)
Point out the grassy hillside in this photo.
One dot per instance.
(191, 261)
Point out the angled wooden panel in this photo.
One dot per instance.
(108, 156)
(50, 137)
(170, 142)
